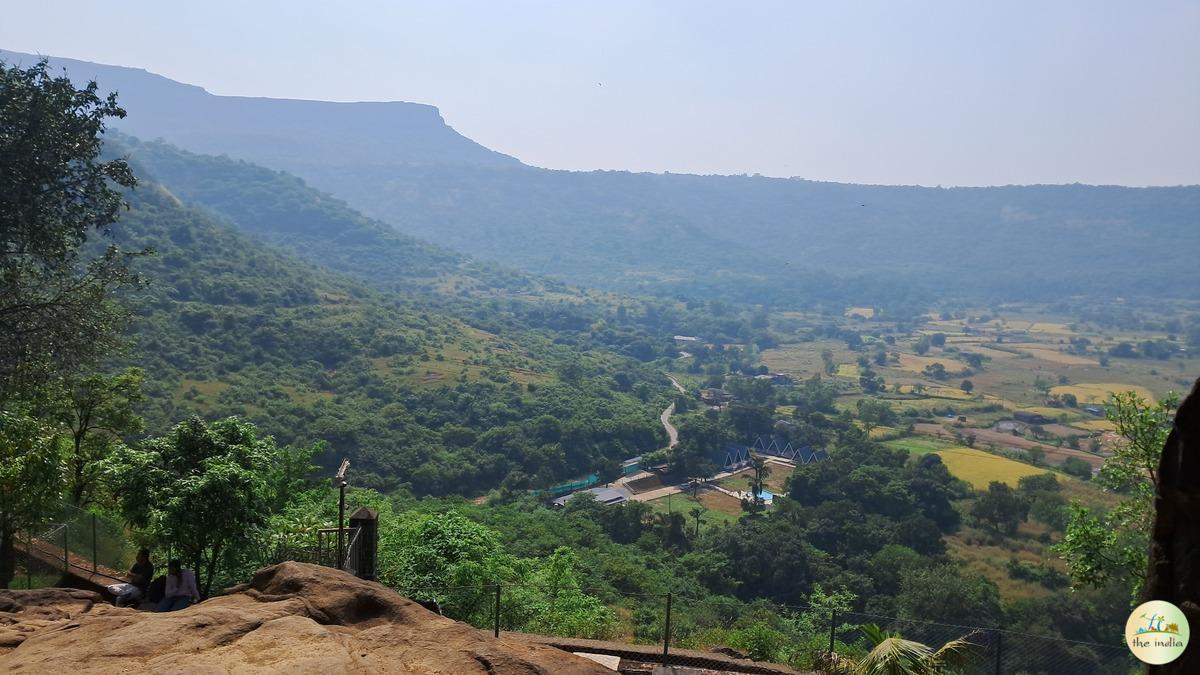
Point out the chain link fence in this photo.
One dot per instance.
(723, 632)
(72, 541)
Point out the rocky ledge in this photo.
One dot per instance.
(291, 617)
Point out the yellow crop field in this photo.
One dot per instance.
(1055, 356)
(1098, 392)
(1048, 327)
(1094, 425)
(980, 468)
(1052, 413)
(847, 370)
(864, 312)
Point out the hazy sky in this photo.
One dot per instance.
(954, 93)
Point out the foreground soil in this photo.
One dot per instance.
(292, 617)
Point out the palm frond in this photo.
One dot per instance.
(955, 653)
(897, 656)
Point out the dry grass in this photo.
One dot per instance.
(1055, 356)
(864, 312)
(1088, 393)
(916, 364)
(848, 370)
(1094, 425)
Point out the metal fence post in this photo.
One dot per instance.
(29, 559)
(667, 630)
(93, 543)
(832, 628)
(999, 649)
(496, 611)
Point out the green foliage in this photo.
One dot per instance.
(947, 594)
(32, 477)
(1103, 546)
(1077, 467)
(873, 412)
(1001, 509)
(204, 490)
(230, 327)
(55, 310)
(98, 411)
(893, 655)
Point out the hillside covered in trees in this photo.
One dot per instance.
(787, 242)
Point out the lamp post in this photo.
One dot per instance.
(340, 481)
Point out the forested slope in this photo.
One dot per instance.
(751, 238)
(230, 326)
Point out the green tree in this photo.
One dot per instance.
(98, 411)
(553, 602)
(967, 386)
(947, 594)
(873, 412)
(1103, 546)
(1001, 508)
(754, 504)
(56, 313)
(31, 479)
(697, 514)
(1077, 467)
(922, 346)
(203, 490)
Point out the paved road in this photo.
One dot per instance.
(675, 383)
(672, 432)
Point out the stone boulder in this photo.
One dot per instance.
(291, 617)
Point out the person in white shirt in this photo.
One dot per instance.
(181, 588)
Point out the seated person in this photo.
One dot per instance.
(180, 591)
(139, 580)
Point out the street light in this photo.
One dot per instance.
(340, 482)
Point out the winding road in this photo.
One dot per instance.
(665, 417)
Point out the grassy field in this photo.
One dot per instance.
(980, 468)
(774, 480)
(974, 466)
(1094, 425)
(718, 507)
(914, 363)
(803, 360)
(918, 445)
(848, 370)
(1055, 356)
(1098, 392)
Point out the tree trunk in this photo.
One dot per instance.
(8, 555)
(1174, 571)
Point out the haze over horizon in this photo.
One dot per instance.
(940, 94)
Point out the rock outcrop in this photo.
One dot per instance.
(291, 617)
(1174, 572)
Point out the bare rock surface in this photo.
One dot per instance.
(291, 617)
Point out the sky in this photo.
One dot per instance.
(961, 92)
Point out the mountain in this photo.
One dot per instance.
(317, 135)
(784, 242)
(411, 393)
